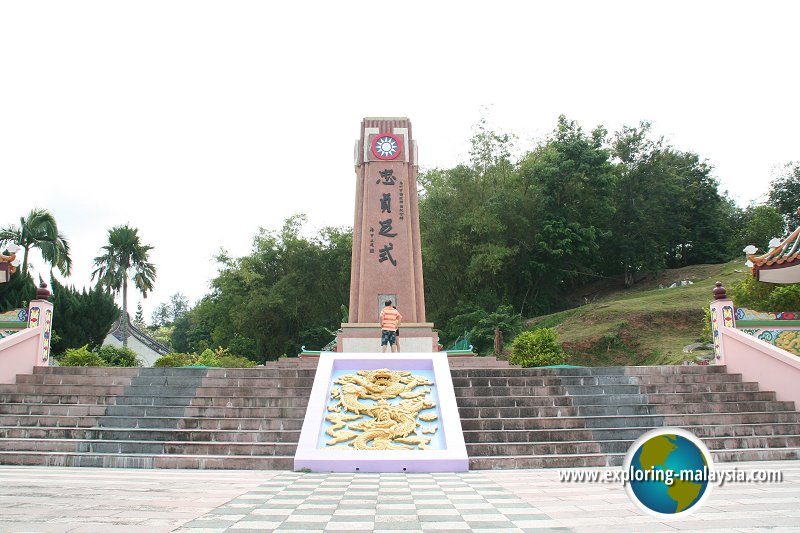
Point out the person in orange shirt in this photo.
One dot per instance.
(390, 323)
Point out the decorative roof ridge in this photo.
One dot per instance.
(779, 253)
(139, 335)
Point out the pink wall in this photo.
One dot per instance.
(773, 368)
(20, 353)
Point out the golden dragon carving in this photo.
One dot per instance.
(383, 424)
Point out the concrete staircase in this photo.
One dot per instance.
(573, 417)
(251, 418)
(156, 417)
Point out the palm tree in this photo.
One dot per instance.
(122, 256)
(39, 230)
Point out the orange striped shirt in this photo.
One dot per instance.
(390, 318)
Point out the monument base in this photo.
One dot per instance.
(366, 338)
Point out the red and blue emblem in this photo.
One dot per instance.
(386, 146)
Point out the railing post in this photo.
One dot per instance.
(40, 313)
(722, 316)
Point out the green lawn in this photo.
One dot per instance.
(645, 324)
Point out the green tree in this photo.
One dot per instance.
(124, 256)
(17, 292)
(81, 317)
(639, 242)
(39, 230)
(266, 302)
(784, 193)
(756, 225)
(572, 181)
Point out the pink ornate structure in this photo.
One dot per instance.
(387, 256)
(755, 359)
(29, 347)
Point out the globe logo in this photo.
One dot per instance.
(668, 470)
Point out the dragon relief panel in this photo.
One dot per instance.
(381, 410)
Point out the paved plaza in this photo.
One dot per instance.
(40, 499)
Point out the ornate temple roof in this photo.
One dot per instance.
(780, 264)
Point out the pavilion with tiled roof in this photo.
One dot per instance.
(781, 263)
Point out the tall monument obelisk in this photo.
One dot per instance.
(387, 256)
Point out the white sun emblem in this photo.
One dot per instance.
(386, 146)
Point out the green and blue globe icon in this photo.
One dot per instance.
(668, 471)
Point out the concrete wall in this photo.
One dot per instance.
(20, 353)
(773, 368)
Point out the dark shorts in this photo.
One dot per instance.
(387, 337)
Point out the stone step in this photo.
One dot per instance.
(605, 390)
(645, 379)
(533, 411)
(86, 390)
(478, 362)
(287, 372)
(621, 446)
(506, 401)
(627, 433)
(252, 401)
(227, 392)
(602, 422)
(668, 370)
(158, 390)
(103, 460)
(7, 400)
(526, 381)
(685, 408)
(615, 400)
(73, 379)
(232, 435)
(176, 422)
(671, 398)
(149, 447)
(42, 409)
(185, 381)
(85, 370)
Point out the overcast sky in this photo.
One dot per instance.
(198, 122)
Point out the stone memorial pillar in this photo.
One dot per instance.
(387, 256)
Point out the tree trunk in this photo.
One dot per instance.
(628, 277)
(125, 311)
(25, 261)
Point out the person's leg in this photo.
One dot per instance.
(384, 341)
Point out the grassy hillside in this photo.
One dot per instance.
(642, 325)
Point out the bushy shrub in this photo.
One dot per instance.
(176, 359)
(706, 336)
(234, 361)
(537, 348)
(114, 356)
(207, 358)
(220, 359)
(81, 357)
(769, 297)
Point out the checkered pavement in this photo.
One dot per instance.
(308, 502)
